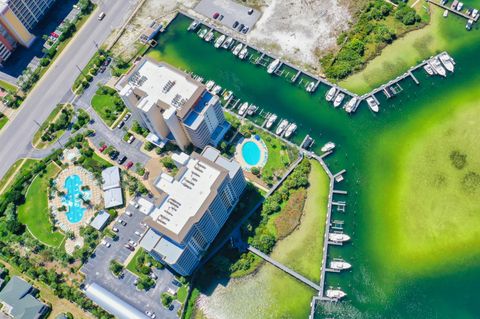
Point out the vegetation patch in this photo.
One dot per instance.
(108, 104)
(3, 120)
(54, 126)
(458, 159)
(289, 219)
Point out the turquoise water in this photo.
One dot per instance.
(73, 199)
(251, 153)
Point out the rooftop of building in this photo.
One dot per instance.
(17, 294)
(111, 177)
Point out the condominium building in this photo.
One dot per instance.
(194, 206)
(172, 105)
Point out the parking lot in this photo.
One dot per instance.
(96, 269)
(231, 11)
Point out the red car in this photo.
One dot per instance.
(103, 148)
(215, 15)
(129, 164)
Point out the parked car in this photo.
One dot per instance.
(129, 213)
(121, 124)
(114, 154)
(129, 247)
(220, 18)
(235, 24)
(101, 16)
(122, 222)
(131, 139)
(129, 165)
(121, 159)
(240, 27)
(153, 316)
(245, 30)
(115, 229)
(107, 61)
(216, 15)
(102, 148)
(127, 116)
(106, 243)
(102, 69)
(250, 11)
(134, 204)
(153, 276)
(138, 233)
(132, 243)
(148, 313)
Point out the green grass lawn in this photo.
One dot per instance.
(35, 214)
(3, 120)
(104, 105)
(37, 138)
(132, 265)
(7, 86)
(279, 156)
(21, 166)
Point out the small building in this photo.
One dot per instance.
(100, 220)
(112, 192)
(18, 300)
(113, 198)
(151, 31)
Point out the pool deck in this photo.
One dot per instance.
(263, 153)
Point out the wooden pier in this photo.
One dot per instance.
(459, 13)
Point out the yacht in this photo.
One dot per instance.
(447, 61)
(469, 24)
(335, 294)
(252, 109)
(202, 33)
(237, 49)
(193, 26)
(209, 85)
(271, 119)
(216, 89)
(227, 95)
(330, 94)
(328, 147)
(243, 109)
(428, 68)
(372, 104)
(209, 36)
(338, 238)
(290, 130)
(445, 13)
(273, 66)
(227, 43)
(350, 107)
(339, 264)
(437, 66)
(281, 127)
(310, 87)
(243, 53)
(219, 41)
(338, 100)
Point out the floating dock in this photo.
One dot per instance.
(458, 13)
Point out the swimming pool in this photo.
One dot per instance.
(73, 198)
(251, 153)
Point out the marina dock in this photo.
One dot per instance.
(458, 13)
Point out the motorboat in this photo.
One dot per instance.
(445, 13)
(459, 6)
(372, 104)
(216, 89)
(328, 147)
(281, 127)
(209, 36)
(338, 100)
(243, 53)
(227, 95)
(437, 66)
(252, 109)
(243, 109)
(339, 264)
(428, 68)
(469, 24)
(227, 43)
(219, 41)
(335, 294)
(338, 238)
(290, 130)
(237, 49)
(310, 87)
(202, 33)
(330, 94)
(209, 85)
(273, 66)
(193, 26)
(271, 119)
(350, 107)
(447, 61)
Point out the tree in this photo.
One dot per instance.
(168, 162)
(115, 267)
(167, 299)
(11, 220)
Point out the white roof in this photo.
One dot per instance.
(145, 206)
(111, 177)
(100, 220)
(185, 195)
(113, 197)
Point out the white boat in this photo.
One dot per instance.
(209, 85)
(209, 36)
(459, 6)
(437, 66)
(428, 68)
(227, 95)
(227, 43)
(243, 53)
(339, 265)
(202, 33)
(219, 41)
(372, 104)
(310, 87)
(237, 49)
(338, 100)
(469, 24)
(350, 107)
(216, 89)
(290, 130)
(273, 66)
(243, 108)
(338, 238)
(193, 26)
(335, 294)
(330, 94)
(271, 119)
(447, 61)
(281, 127)
(328, 147)
(252, 109)
(445, 13)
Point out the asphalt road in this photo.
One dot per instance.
(54, 87)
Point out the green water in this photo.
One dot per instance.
(391, 278)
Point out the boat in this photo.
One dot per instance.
(350, 107)
(437, 66)
(335, 294)
(209, 85)
(243, 53)
(216, 89)
(310, 87)
(219, 41)
(202, 33)
(193, 26)
(338, 100)
(460, 6)
(209, 36)
(272, 67)
(428, 68)
(271, 119)
(447, 61)
(227, 95)
(372, 104)
(243, 109)
(227, 43)
(252, 109)
(338, 238)
(445, 13)
(290, 130)
(469, 24)
(339, 264)
(330, 94)
(237, 49)
(281, 127)
(328, 147)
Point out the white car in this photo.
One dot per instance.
(134, 204)
(129, 213)
(138, 233)
(131, 139)
(115, 229)
(106, 243)
(132, 243)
